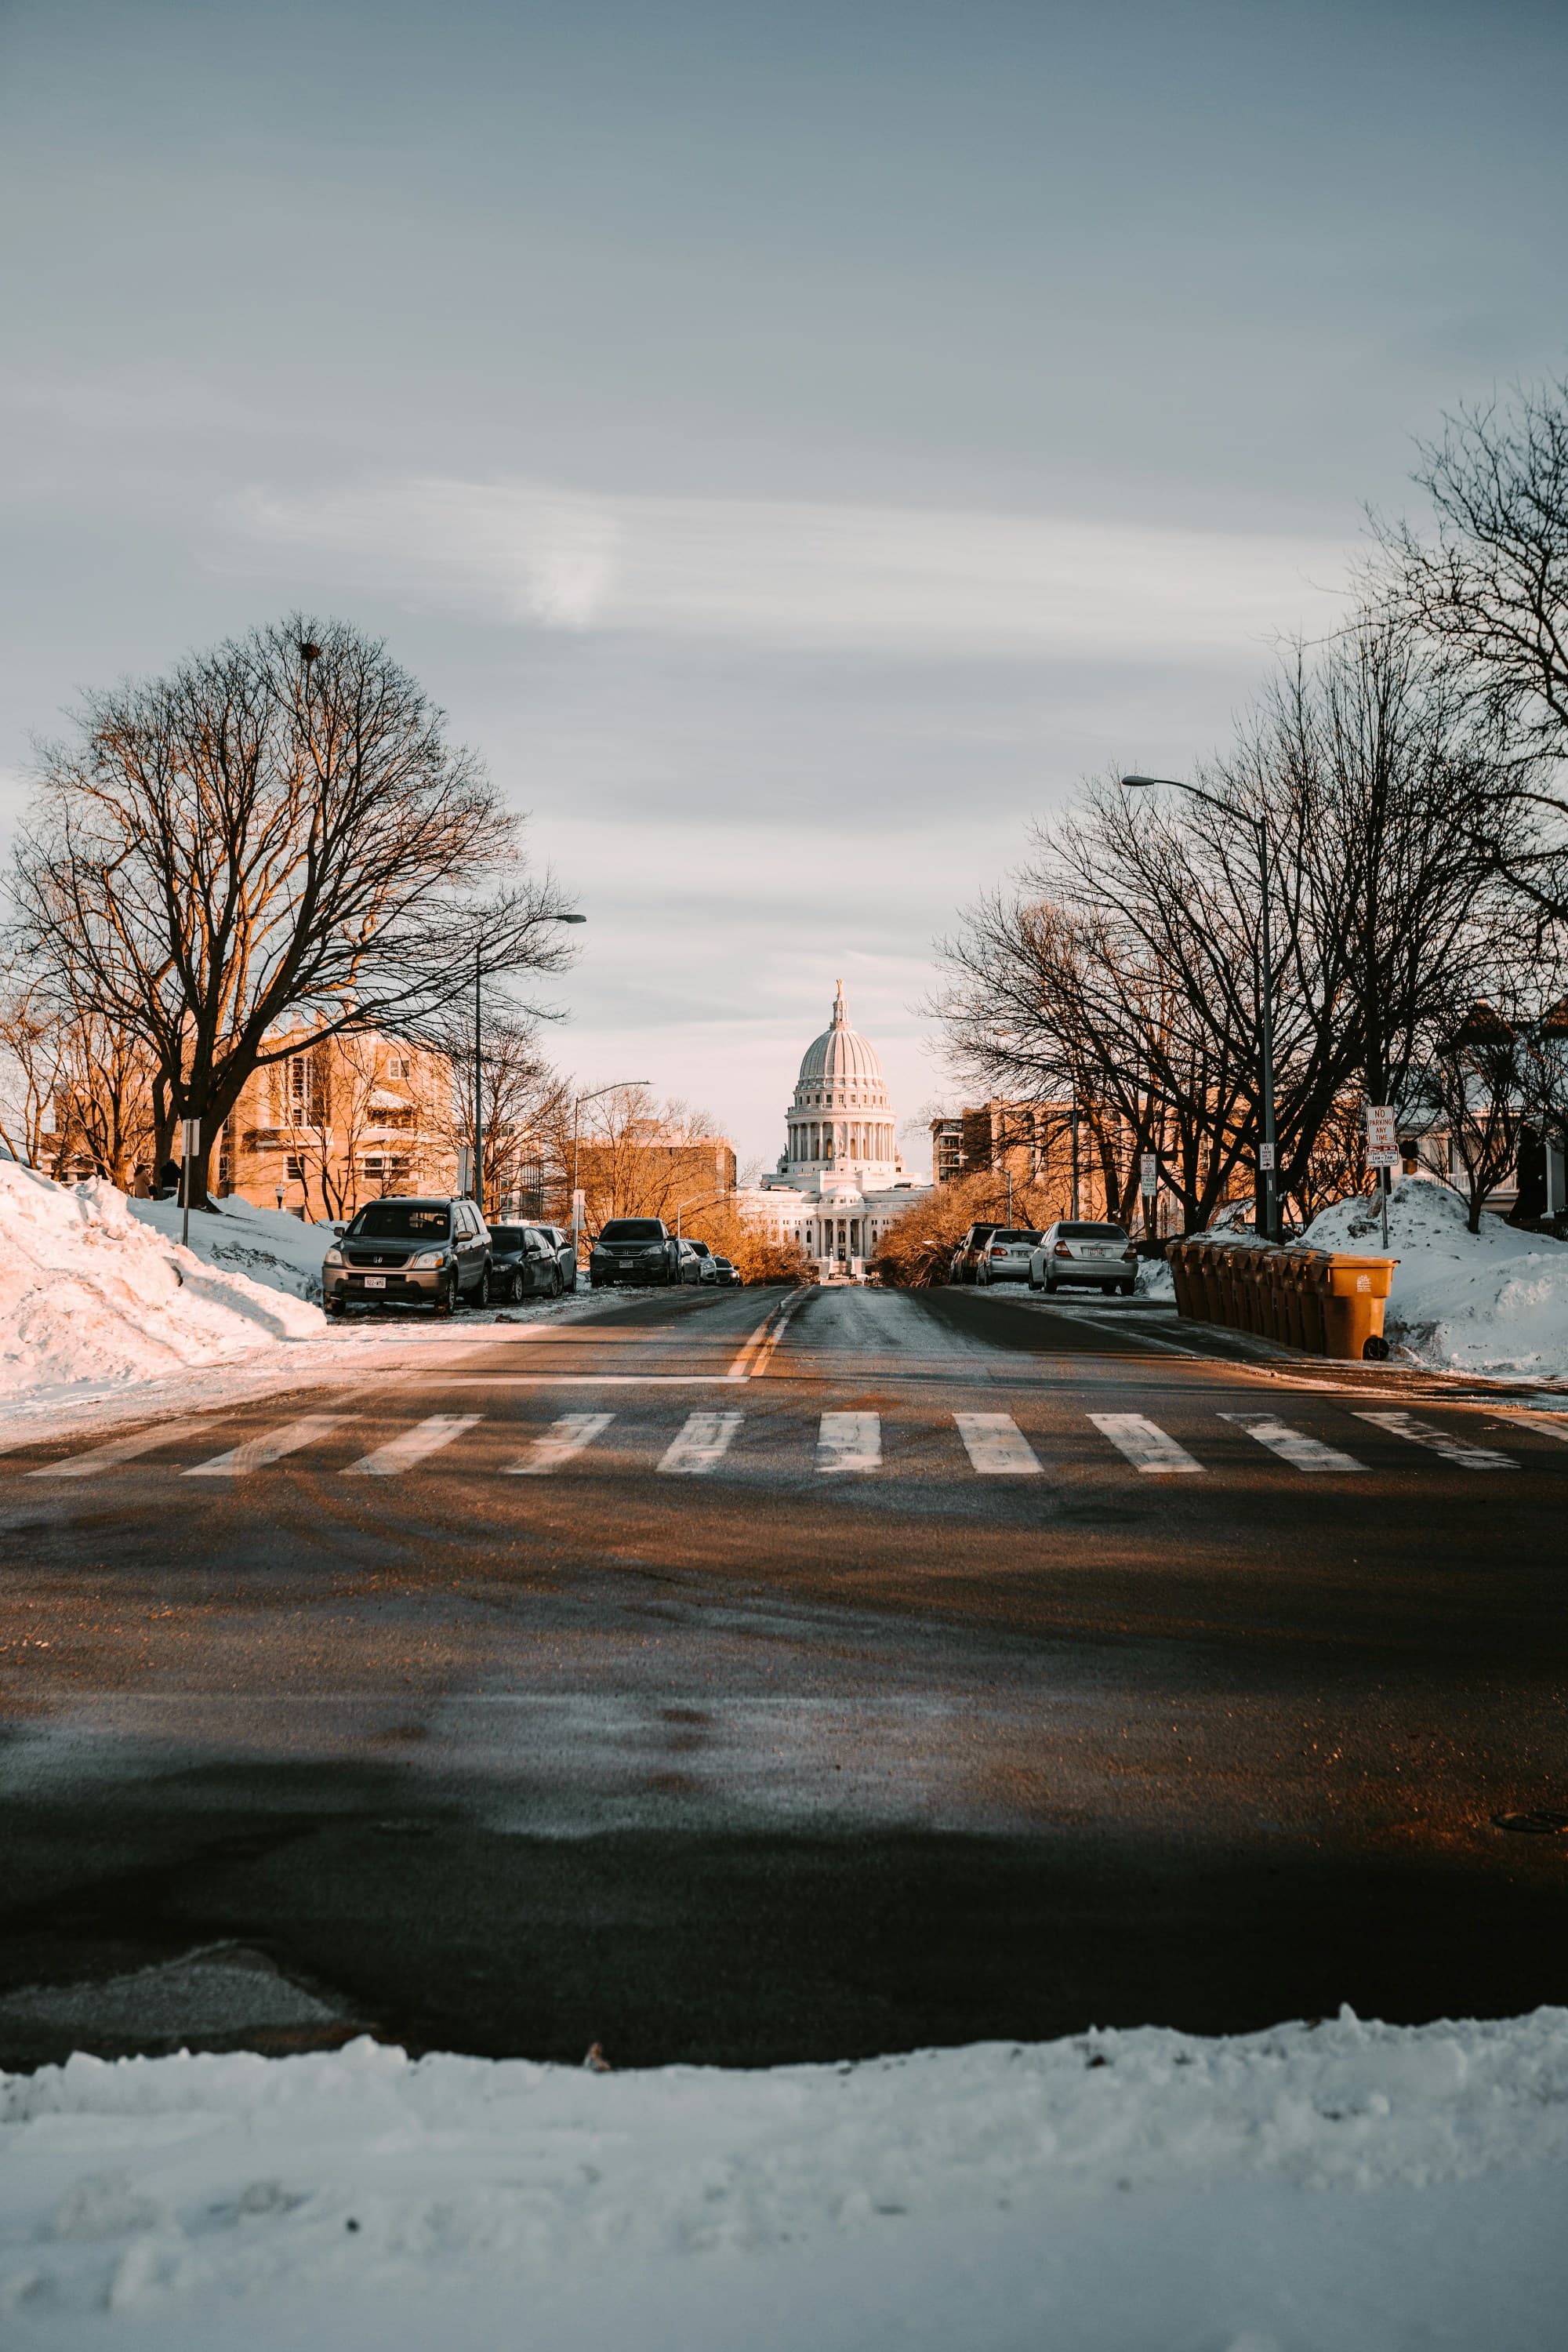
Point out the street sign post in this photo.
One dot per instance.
(1383, 1150)
(1265, 1155)
(190, 1144)
(1149, 1172)
(578, 1205)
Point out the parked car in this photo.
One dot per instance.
(689, 1260)
(1006, 1257)
(523, 1263)
(727, 1272)
(966, 1256)
(565, 1252)
(637, 1249)
(706, 1264)
(1099, 1255)
(409, 1252)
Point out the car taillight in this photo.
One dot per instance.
(1062, 1250)
(1129, 1252)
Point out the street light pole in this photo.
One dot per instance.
(577, 1102)
(478, 1065)
(1268, 1155)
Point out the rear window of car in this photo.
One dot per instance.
(1092, 1233)
(399, 1220)
(632, 1229)
(1017, 1233)
(509, 1236)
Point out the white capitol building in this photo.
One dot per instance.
(840, 1182)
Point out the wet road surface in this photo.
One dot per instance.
(741, 1677)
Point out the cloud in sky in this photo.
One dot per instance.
(815, 575)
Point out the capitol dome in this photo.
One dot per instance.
(842, 1062)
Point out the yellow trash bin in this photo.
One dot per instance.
(1355, 1291)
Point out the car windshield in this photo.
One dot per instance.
(1019, 1233)
(508, 1236)
(632, 1229)
(1092, 1233)
(400, 1221)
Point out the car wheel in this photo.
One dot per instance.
(446, 1297)
(1127, 1288)
(482, 1297)
(1050, 1287)
(331, 1305)
(515, 1286)
(557, 1284)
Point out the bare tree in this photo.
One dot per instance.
(1490, 589)
(278, 828)
(34, 1058)
(1475, 1091)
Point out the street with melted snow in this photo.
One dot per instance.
(763, 1678)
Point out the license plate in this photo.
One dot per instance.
(375, 1282)
(1096, 1252)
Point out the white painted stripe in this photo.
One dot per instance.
(704, 1441)
(257, 1452)
(1439, 1441)
(564, 1438)
(997, 1445)
(1292, 1445)
(1535, 1418)
(1144, 1442)
(122, 1449)
(412, 1445)
(849, 1440)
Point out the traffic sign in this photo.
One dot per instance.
(1382, 1137)
(1150, 1171)
(1265, 1155)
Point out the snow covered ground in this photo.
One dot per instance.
(1496, 1301)
(1331, 2188)
(280, 1252)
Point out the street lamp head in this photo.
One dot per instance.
(568, 919)
(1151, 783)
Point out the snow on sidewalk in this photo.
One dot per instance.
(1496, 1301)
(1305, 2190)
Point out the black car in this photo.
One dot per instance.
(966, 1257)
(419, 1253)
(523, 1263)
(565, 1251)
(729, 1274)
(637, 1249)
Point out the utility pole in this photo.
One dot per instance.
(478, 1094)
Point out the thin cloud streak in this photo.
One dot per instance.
(829, 578)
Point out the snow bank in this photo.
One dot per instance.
(89, 1294)
(1308, 2188)
(1496, 1301)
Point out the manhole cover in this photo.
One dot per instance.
(1540, 1825)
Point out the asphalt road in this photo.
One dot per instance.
(850, 1690)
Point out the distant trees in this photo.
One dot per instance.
(280, 827)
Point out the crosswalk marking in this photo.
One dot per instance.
(703, 1442)
(997, 1445)
(1292, 1445)
(122, 1449)
(1144, 1442)
(849, 1440)
(561, 1441)
(256, 1453)
(1439, 1441)
(412, 1445)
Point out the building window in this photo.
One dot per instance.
(294, 1168)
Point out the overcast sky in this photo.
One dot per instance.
(794, 443)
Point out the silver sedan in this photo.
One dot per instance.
(1099, 1256)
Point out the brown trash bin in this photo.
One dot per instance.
(1181, 1279)
(1355, 1292)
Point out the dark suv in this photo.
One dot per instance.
(966, 1257)
(636, 1249)
(415, 1253)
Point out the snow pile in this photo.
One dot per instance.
(89, 1294)
(1496, 1301)
(273, 1248)
(1347, 2183)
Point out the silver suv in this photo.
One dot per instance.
(411, 1253)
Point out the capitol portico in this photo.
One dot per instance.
(840, 1182)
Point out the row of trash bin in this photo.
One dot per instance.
(1329, 1302)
